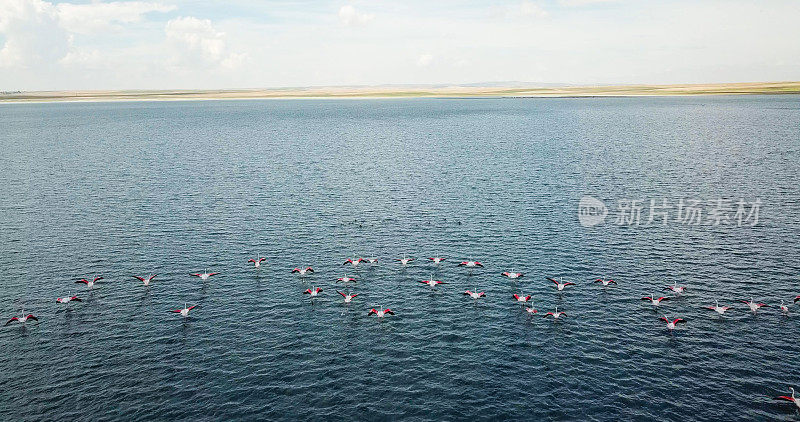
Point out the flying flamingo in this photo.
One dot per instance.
(146, 280)
(753, 305)
(372, 260)
(522, 299)
(89, 284)
(68, 299)
(347, 297)
(313, 292)
(475, 295)
(404, 261)
(22, 318)
(512, 275)
(203, 276)
(185, 311)
(431, 282)
(605, 282)
(437, 259)
(676, 289)
(796, 298)
(256, 262)
(654, 300)
(784, 308)
(303, 271)
(793, 399)
(556, 315)
(560, 285)
(671, 324)
(470, 264)
(381, 313)
(718, 309)
(346, 279)
(354, 261)
(531, 310)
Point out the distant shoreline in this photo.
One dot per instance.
(751, 88)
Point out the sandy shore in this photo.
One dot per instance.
(408, 91)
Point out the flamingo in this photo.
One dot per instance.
(372, 260)
(257, 262)
(474, 295)
(512, 275)
(676, 289)
(185, 311)
(470, 264)
(793, 399)
(531, 310)
(346, 279)
(654, 300)
(718, 309)
(68, 299)
(437, 259)
(303, 271)
(784, 308)
(753, 305)
(381, 313)
(89, 284)
(347, 297)
(671, 324)
(203, 276)
(522, 299)
(556, 315)
(560, 285)
(146, 280)
(22, 318)
(404, 261)
(354, 261)
(605, 282)
(431, 282)
(796, 298)
(313, 292)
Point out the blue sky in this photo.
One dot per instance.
(251, 44)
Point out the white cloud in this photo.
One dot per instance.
(197, 42)
(578, 3)
(349, 16)
(532, 10)
(424, 60)
(94, 17)
(33, 36)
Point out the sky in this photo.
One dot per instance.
(202, 44)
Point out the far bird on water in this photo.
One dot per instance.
(347, 297)
(784, 308)
(606, 282)
(69, 298)
(560, 284)
(671, 324)
(754, 307)
(257, 262)
(475, 295)
(22, 318)
(145, 280)
(655, 301)
(718, 309)
(185, 311)
(203, 276)
(88, 283)
(381, 313)
(676, 289)
(792, 398)
(431, 282)
(556, 315)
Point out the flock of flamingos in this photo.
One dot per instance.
(560, 285)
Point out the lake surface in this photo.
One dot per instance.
(123, 189)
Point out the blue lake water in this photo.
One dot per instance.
(123, 189)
